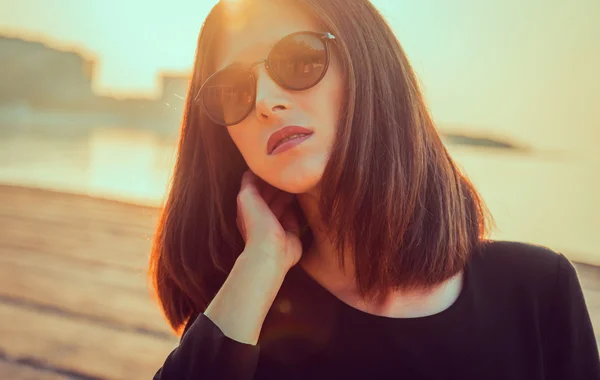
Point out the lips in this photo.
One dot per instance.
(281, 134)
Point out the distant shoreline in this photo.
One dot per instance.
(466, 139)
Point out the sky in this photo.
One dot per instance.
(524, 69)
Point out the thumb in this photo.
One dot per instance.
(250, 202)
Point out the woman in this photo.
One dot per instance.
(317, 227)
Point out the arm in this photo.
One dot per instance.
(222, 342)
(570, 350)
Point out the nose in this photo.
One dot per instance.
(271, 99)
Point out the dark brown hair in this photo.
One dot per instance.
(390, 189)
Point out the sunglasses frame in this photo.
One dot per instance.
(325, 37)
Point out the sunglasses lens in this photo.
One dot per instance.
(299, 61)
(228, 96)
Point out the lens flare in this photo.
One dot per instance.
(236, 14)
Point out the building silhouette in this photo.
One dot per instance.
(47, 90)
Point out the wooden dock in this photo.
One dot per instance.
(74, 297)
(75, 302)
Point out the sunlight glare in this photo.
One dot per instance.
(236, 14)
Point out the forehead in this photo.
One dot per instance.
(250, 33)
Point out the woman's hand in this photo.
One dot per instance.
(267, 221)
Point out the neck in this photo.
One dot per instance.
(321, 263)
(321, 259)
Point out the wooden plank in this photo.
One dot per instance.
(42, 220)
(92, 243)
(18, 371)
(82, 210)
(81, 215)
(106, 294)
(46, 204)
(80, 346)
(70, 261)
(47, 201)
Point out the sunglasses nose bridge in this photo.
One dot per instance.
(253, 65)
(271, 98)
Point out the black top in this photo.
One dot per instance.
(520, 315)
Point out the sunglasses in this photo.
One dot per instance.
(297, 62)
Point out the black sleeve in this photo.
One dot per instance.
(571, 351)
(204, 352)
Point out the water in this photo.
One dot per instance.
(540, 199)
(126, 165)
(553, 200)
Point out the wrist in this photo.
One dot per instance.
(272, 263)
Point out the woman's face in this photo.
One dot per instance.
(299, 169)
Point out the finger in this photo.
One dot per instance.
(267, 191)
(249, 178)
(281, 202)
(239, 221)
(250, 202)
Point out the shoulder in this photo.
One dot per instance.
(519, 266)
(518, 257)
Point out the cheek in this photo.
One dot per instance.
(237, 135)
(245, 141)
(328, 100)
(337, 92)
(332, 87)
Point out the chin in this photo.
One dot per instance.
(296, 180)
(298, 184)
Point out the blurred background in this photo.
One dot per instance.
(91, 100)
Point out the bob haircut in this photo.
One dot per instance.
(390, 189)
